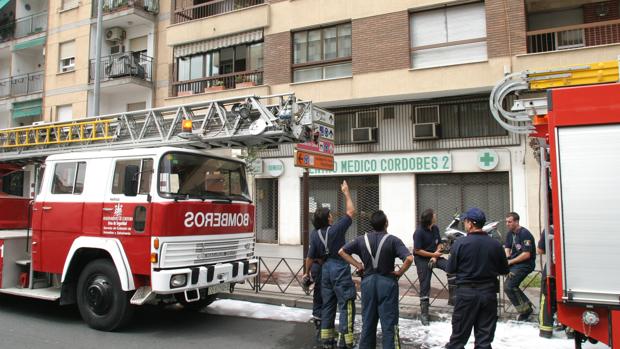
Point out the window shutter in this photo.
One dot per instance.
(67, 49)
(138, 44)
(466, 22)
(428, 28)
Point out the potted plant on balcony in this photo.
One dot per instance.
(217, 85)
(243, 81)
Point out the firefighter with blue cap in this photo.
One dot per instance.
(337, 287)
(378, 250)
(477, 260)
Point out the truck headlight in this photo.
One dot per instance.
(178, 280)
(252, 268)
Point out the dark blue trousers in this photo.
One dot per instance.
(379, 302)
(317, 299)
(514, 292)
(474, 308)
(337, 290)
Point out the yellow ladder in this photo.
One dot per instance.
(57, 133)
(589, 74)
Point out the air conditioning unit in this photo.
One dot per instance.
(364, 135)
(427, 130)
(115, 34)
(117, 49)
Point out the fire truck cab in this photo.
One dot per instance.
(115, 228)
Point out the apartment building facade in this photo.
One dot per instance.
(407, 80)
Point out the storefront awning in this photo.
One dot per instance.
(4, 3)
(27, 109)
(213, 44)
(29, 43)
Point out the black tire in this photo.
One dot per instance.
(102, 302)
(204, 301)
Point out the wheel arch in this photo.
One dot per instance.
(86, 249)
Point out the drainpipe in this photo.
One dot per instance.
(98, 56)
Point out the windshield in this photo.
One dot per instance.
(203, 177)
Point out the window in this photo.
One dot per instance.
(450, 35)
(144, 176)
(235, 59)
(136, 106)
(69, 4)
(67, 56)
(464, 118)
(359, 119)
(322, 53)
(64, 112)
(69, 178)
(13, 183)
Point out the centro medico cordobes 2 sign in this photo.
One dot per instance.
(389, 163)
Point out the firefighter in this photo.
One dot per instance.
(477, 260)
(427, 249)
(313, 276)
(378, 250)
(337, 288)
(519, 247)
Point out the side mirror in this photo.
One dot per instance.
(130, 184)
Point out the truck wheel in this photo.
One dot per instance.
(102, 303)
(198, 305)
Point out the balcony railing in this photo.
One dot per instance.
(584, 35)
(110, 6)
(217, 83)
(24, 27)
(121, 65)
(21, 85)
(209, 9)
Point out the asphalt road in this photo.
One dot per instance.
(29, 323)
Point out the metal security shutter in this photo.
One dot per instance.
(267, 210)
(325, 192)
(448, 194)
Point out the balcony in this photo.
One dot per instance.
(209, 9)
(113, 6)
(217, 83)
(24, 27)
(21, 85)
(136, 65)
(575, 36)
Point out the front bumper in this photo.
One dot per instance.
(203, 276)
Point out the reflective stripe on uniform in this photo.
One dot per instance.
(348, 337)
(327, 333)
(396, 338)
(541, 316)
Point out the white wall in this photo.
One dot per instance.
(27, 61)
(117, 103)
(35, 8)
(5, 68)
(5, 117)
(289, 204)
(397, 200)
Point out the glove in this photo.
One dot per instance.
(431, 263)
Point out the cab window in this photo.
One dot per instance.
(69, 178)
(144, 176)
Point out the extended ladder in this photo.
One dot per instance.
(226, 123)
(525, 111)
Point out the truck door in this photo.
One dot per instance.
(61, 216)
(127, 210)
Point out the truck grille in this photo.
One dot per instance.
(185, 254)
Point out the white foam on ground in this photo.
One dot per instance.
(508, 335)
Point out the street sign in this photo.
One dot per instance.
(322, 146)
(313, 160)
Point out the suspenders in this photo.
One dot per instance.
(375, 259)
(324, 239)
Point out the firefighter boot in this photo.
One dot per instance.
(424, 318)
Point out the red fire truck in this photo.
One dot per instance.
(576, 126)
(136, 208)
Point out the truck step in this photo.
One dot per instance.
(48, 294)
(23, 262)
(142, 295)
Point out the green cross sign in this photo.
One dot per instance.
(487, 159)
